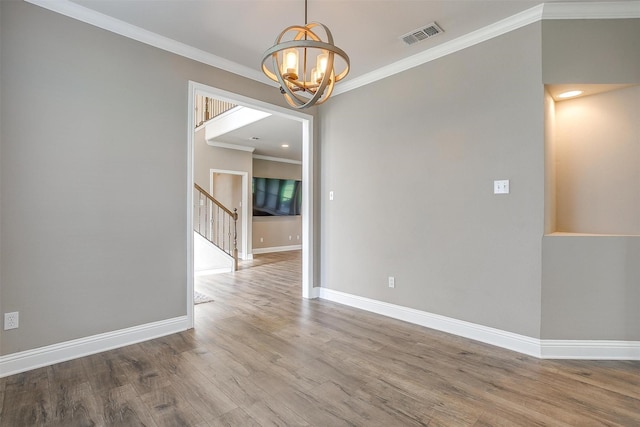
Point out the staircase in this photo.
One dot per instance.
(216, 223)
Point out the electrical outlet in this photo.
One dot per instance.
(289, 237)
(392, 282)
(11, 320)
(262, 240)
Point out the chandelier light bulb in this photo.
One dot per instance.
(290, 64)
(321, 63)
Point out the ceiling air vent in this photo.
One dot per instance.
(420, 34)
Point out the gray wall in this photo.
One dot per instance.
(207, 157)
(591, 283)
(591, 287)
(88, 118)
(411, 160)
(590, 51)
(94, 173)
(411, 166)
(270, 169)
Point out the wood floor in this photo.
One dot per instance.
(260, 356)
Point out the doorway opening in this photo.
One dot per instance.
(306, 122)
(221, 179)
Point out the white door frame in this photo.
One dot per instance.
(246, 249)
(307, 181)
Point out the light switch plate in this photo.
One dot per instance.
(501, 186)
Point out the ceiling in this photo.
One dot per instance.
(237, 32)
(369, 31)
(267, 136)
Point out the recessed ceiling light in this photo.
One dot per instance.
(285, 145)
(570, 94)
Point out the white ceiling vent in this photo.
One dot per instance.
(421, 34)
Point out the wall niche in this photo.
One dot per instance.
(594, 175)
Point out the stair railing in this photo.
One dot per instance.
(213, 221)
(207, 108)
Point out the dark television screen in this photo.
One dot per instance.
(276, 197)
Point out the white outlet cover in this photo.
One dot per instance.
(11, 320)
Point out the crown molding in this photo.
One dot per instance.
(100, 20)
(596, 10)
(276, 159)
(572, 10)
(496, 29)
(231, 146)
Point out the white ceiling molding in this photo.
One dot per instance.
(597, 10)
(276, 159)
(496, 29)
(231, 146)
(577, 10)
(97, 19)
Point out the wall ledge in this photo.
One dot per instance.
(542, 349)
(44, 356)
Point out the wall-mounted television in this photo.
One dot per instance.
(276, 197)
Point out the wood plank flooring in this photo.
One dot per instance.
(260, 355)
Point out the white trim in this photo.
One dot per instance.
(315, 292)
(277, 249)
(307, 174)
(276, 159)
(595, 10)
(545, 349)
(307, 208)
(230, 146)
(590, 349)
(496, 29)
(44, 356)
(100, 20)
(191, 101)
(575, 10)
(497, 337)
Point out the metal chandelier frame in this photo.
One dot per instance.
(308, 89)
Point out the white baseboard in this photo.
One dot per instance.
(44, 356)
(277, 249)
(590, 349)
(544, 349)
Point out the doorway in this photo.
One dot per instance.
(238, 181)
(306, 121)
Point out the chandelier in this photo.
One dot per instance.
(304, 65)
